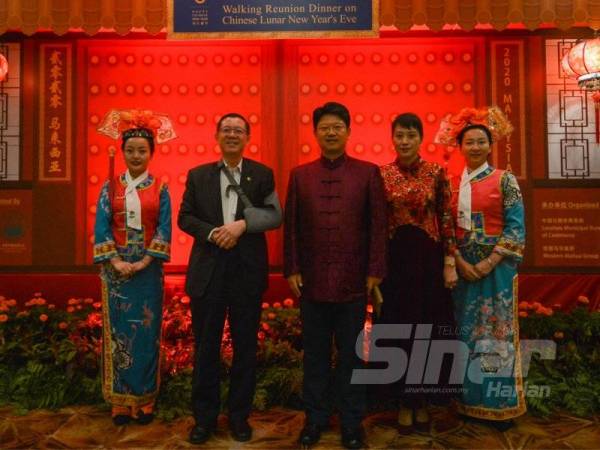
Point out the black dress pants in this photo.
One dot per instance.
(322, 324)
(225, 296)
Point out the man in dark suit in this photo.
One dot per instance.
(334, 255)
(227, 275)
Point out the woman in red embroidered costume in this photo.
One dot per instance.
(132, 238)
(490, 232)
(420, 254)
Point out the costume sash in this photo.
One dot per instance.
(464, 196)
(132, 201)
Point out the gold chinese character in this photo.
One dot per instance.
(54, 138)
(54, 123)
(54, 152)
(56, 73)
(55, 101)
(56, 58)
(54, 88)
(54, 167)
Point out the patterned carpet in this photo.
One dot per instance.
(90, 427)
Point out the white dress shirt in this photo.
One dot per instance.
(229, 198)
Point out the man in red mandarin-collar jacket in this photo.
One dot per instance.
(334, 254)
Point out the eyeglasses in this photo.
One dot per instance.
(337, 129)
(236, 131)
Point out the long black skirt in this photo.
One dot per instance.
(414, 294)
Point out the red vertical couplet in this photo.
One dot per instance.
(508, 93)
(55, 120)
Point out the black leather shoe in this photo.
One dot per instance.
(310, 434)
(352, 437)
(240, 430)
(502, 425)
(200, 434)
(121, 419)
(144, 419)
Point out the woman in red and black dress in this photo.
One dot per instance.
(421, 264)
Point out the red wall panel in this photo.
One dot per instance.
(193, 84)
(276, 84)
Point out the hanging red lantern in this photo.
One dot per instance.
(582, 62)
(3, 67)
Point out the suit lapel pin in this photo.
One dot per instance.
(248, 179)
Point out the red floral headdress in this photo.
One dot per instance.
(117, 123)
(491, 117)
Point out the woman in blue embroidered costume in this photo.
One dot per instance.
(490, 233)
(132, 240)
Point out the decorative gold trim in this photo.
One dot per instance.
(274, 35)
(152, 14)
(104, 249)
(123, 182)
(107, 378)
(159, 248)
